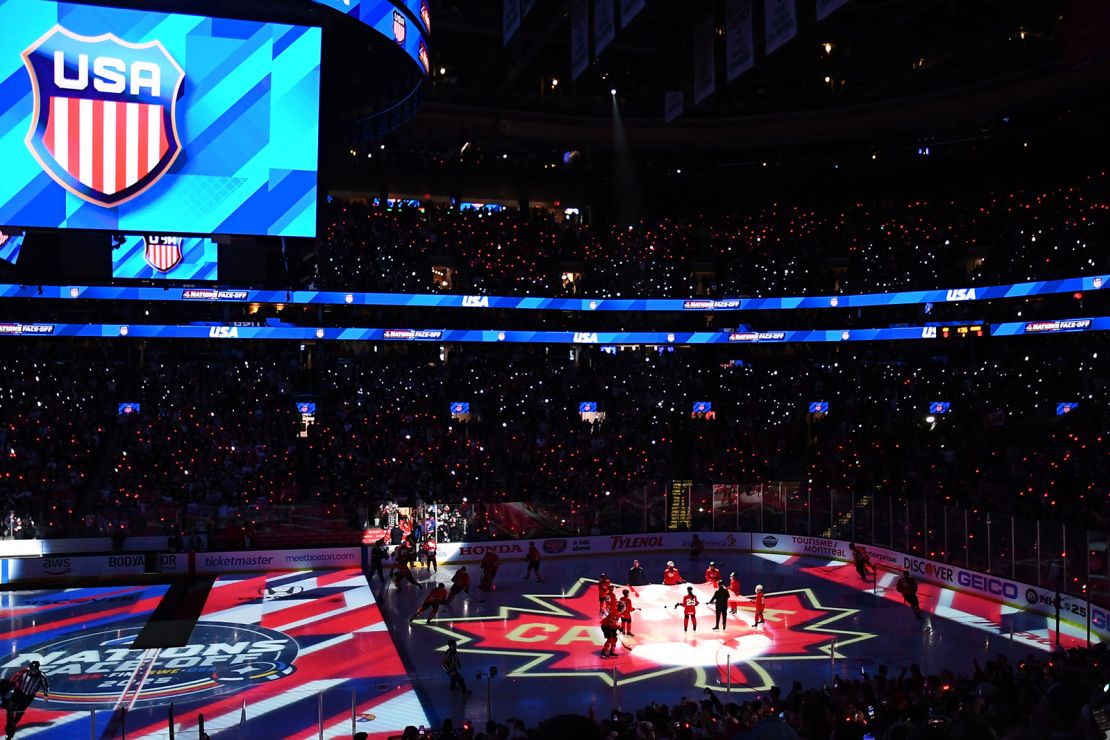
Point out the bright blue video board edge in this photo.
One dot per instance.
(493, 336)
(435, 300)
(375, 14)
(299, 219)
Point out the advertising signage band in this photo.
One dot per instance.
(528, 303)
(353, 334)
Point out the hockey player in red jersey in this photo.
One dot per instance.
(611, 600)
(624, 610)
(689, 606)
(533, 559)
(759, 607)
(604, 586)
(402, 572)
(459, 582)
(429, 549)
(734, 589)
(609, 630)
(490, 563)
(713, 575)
(433, 601)
(671, 576)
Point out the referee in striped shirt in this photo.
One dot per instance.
(26, 684)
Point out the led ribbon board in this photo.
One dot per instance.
(434, 300)
(406, 24)
(493, 336)
(138, 121)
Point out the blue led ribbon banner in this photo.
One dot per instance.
(493, 336)
(433, 300)
(406, 24)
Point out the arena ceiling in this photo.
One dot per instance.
(873, 65)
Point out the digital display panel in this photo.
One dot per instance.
(306, 407)
(138, 121)
(10, 244)
(939, 407)
(702, 407)
(1066, 407)
(128, 409)
(460, 407)
(819, 407)
(165, 258)
(587, 407)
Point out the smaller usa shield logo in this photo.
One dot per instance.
(398, 27)
(104, 125)
(422, 53)
(426, 15)
(163, 253)
(1097, 282)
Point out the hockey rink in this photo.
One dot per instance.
(822, 622)
(287, 652)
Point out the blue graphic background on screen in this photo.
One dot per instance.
(127, 409)
(9, 250)
(939, 407)
(198, 261)
(306, 407)
(587, 407)
(703, 407)
(819, 407)
(248, 122)
(460, 407)
(1066, 408)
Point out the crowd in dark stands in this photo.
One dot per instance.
(859, 247)
(1063, 695)
(217, 445)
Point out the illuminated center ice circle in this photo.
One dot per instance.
(659, 636)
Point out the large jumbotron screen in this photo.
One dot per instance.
(153, 122)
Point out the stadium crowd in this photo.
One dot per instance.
(860, 247)
(216, 444)
(1060, 696)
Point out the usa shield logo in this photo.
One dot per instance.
(426, 15)
(104, 125)
(398, 27)
(162, 252)
(422, 54)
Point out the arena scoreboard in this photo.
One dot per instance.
(150, 122)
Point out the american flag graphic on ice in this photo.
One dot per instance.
(319, 651)
(105, 113)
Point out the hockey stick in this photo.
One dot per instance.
(623, 643)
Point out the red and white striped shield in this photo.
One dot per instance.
(162, 252)
(399, 27)
(105, 113)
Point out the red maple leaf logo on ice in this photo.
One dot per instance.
(559, 635)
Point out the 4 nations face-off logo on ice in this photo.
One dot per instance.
(558, 636)
(105, 118)
(98, 668)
